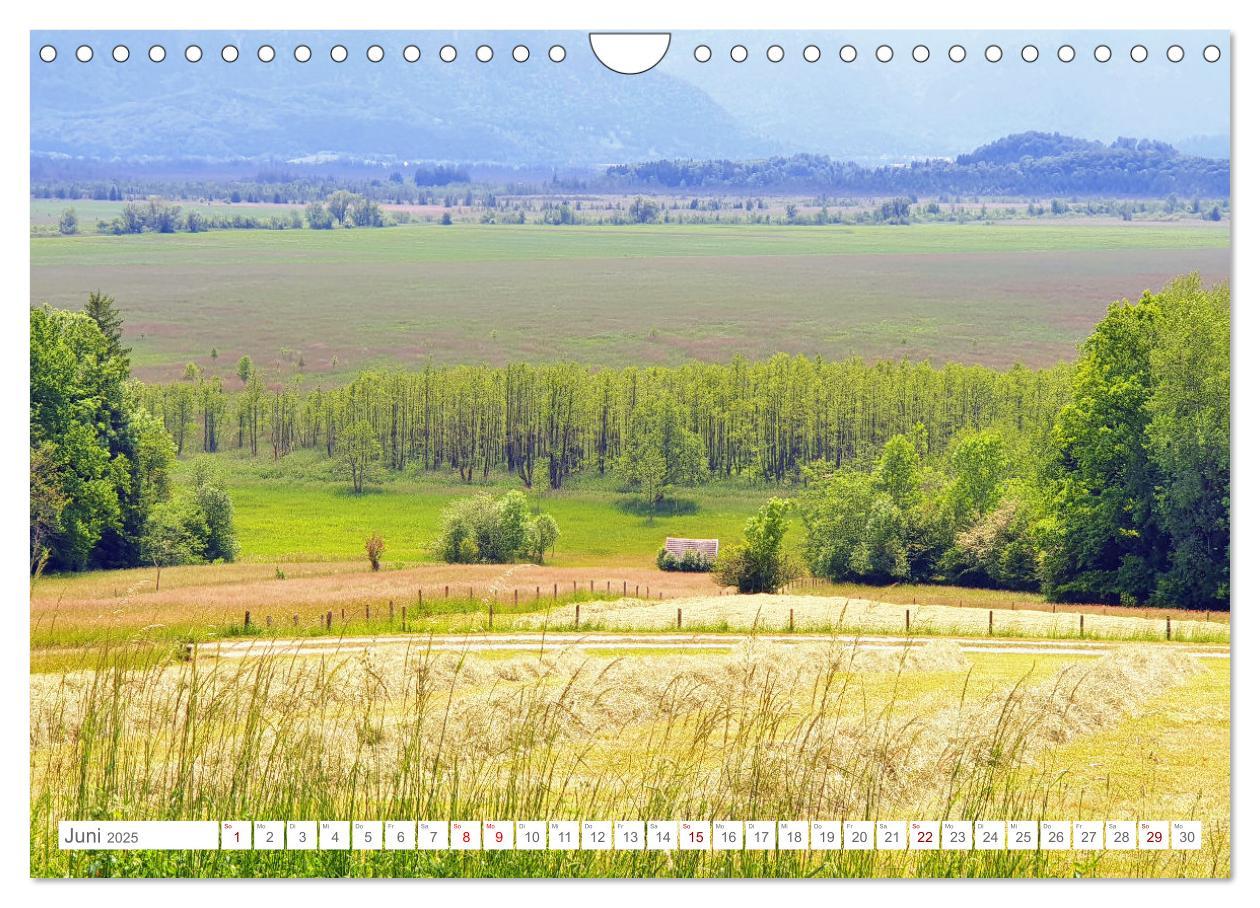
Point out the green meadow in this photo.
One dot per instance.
(328, 304)
(297, 510)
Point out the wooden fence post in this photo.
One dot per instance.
(404, 617)
(448, 592)
(1082, 625)
(268, 621)
(990, 622)
(907, 621)
(516, 597)
(577, 614)
(295, 620)
(1168, 629)
(623, 587)
(328, 619)
(555, 591)
(680, 619)
(592, 586)
(247, 618)
(791, 619)
(490, 625)
(367, 613)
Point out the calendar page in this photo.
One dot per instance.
(658, 454)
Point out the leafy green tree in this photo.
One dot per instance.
(175, 533)
(1140, 478)
(81, 425)
(541, 536)
(661, 452)
(1188, 438)
(359, 454)
(317, 217)
(215, 506)
(365, 213)
(244, 369)
(339, 205)
(644, 211)
(980, 466)
(69, 223)
(760, 563)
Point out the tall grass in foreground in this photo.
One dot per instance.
(769, 733)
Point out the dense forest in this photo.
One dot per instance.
(1028, 164)
(1107, 480)
(764, 421)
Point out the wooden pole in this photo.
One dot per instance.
(448, 591)
(516, 597)
(623, 587)
(367, 613)
(791, 619)
(247, 619)
(680, 619)
(990, 622)
(907, 621)
(577, 614)
(295, 620)
(404, 617)
(1082, 624)
(1167, 628)
(328, 619)
(491, 622)
(268, 621)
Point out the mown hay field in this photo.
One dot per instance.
(809, 731)
(996, 294)
(836, 615)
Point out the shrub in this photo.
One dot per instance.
(194, 527)
(759, 564)
(691, 562)
(486, 530)
(540, 535)
(375, 547)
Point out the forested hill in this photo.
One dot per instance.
(1025, 164)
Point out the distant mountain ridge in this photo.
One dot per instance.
(1028, 163)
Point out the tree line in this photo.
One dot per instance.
(661, 427)
(1026, 164)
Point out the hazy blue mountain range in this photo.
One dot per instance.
(579, 114)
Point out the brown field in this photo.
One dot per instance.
(218, 596)
(212, 600)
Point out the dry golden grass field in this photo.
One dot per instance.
(823, 730)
